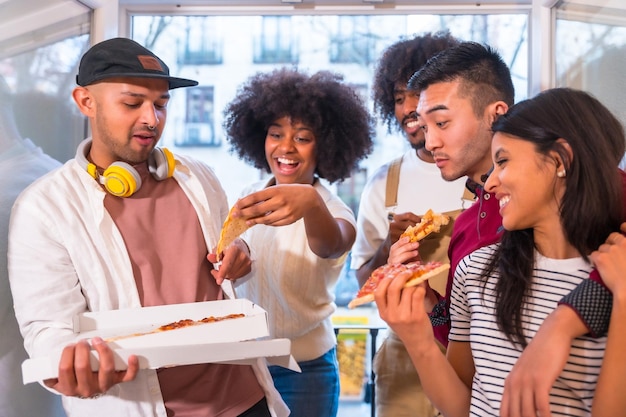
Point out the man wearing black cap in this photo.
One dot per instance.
(123, 225)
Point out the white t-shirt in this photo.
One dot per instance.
(420, 188)
(473, 321)
(292, 283)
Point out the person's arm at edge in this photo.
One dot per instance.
(610, 259)
(609, 401)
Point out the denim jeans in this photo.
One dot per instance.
(315, 391)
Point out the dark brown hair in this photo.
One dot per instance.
(592, 205)
(398, 63)
(482, 74)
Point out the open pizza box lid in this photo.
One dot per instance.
(241, 340)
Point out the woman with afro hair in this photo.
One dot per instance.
(299, 128)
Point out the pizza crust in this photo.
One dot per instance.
(233, 228)
(368, 298)
(431, 222)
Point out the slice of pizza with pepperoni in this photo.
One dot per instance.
(419, 271)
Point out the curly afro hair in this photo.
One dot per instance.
(343, 127)
(398, 63)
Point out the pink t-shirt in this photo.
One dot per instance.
(168, 254)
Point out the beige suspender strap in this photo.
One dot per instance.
(393, 179)
(468, 195)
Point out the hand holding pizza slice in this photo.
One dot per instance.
(420, 272)
(431, 222)
(233, 228)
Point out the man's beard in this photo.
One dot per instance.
(419, 145)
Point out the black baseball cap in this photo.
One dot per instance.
(123, 57)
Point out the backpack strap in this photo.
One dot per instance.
(393, 179)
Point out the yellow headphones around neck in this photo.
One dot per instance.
(120, 178)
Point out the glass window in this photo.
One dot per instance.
(590, 53)
(199, 119)
(41, 81)
(345, 44)
(352, 41)
(201, 45)
(275, 42)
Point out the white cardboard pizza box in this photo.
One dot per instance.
(115, 323)
(229, 341)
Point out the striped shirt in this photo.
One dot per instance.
(473, 320)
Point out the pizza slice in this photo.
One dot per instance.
(232, 228)
(420, 272)
(430, 222)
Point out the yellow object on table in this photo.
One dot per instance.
(351, 354)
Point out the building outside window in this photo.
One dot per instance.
(590, 48)
(352, 41)
(199, 119)
(590, 53)
(201, 44)
(254, 43)
(276, 42)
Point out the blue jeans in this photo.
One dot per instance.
(315, 391)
